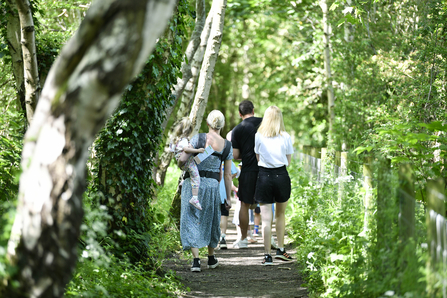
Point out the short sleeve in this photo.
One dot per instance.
(183, 143)
(230, 154)
(234, 138)
(289, 145)
(257, 143)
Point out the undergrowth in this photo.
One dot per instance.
(338, 256)
(103, 273)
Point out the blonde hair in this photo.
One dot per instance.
(182, 129)
(215, 119)
(272, 123)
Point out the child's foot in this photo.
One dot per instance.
(195, 202)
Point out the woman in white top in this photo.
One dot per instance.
(273, 148)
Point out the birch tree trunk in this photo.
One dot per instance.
(209, 62)
(31, 73)
(187, 98)
(13, 37)
(81, 91)
(206, 75)
(196, 65)
(327, 66)
(349, 28)
(191, 49)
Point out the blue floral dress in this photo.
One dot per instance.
(200, 228)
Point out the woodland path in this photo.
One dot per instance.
(240, 273)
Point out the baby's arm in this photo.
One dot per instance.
(193, 150)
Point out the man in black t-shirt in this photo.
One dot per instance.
(243, 141)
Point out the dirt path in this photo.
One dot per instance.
(240, 273)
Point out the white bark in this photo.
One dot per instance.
(31, 73)
(349, 28)
(187, 98)
(189, 92)
(13, 37)
(327, 66)
(82, 89)
(191, 49)
(209, 62)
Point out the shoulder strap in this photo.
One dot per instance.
(202, 140)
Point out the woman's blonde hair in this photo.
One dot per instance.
(215, 119)
(272, 123)
(182, 129)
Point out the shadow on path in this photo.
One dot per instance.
(240, 273)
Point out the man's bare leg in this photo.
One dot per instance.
(244, 219)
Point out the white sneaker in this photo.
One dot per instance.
(241, 244)
(250, 237)
(273, 244)
(195, 202)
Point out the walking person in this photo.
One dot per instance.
(202, 228)
(180, 144)
(225, 210)
(243, 141)
(273, 148)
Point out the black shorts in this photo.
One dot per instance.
(247, 187)
(273, 185)
(224, 211)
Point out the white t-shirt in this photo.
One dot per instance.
(272, 151)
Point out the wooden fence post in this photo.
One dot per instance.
(406, 203)
(385, 201)
(343, 174)
(306, 158)
(367, 177)
(314, 163)
(337, 163)
(436, 234)
(323, 164)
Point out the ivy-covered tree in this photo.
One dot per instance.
(126, 149)
(82, 89)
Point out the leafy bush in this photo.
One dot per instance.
(11, 143)
(101, 272)
(120, 279)
(337, 256)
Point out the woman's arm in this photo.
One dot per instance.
(289, 159)
(228, 181)
(257, 157)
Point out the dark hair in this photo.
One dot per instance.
(246, 107)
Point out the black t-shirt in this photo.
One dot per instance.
(243, 138)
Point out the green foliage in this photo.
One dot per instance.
(11, 133)
(120, 279)
(165, 193)
(101, 273)
(125, 150)
(337, 256)
(414, 143)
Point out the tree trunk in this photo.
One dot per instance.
(205, 79)
(188, 93)
(209, 62)
(31, 73)
(187, 98)
(193, 45)
(349, 28)
(82, 89)
(13, 36)
(327, 66)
